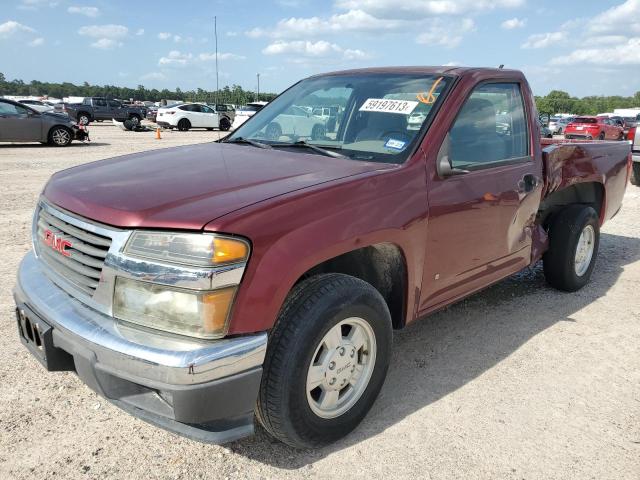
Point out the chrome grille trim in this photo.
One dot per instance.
(97, 291)
(80, 272)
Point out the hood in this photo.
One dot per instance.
(57, 116)
(187, 187)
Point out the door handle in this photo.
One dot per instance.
(528, 183)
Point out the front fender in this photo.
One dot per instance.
(295, 232)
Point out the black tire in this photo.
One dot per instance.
(209, 129)
(564, 233)
(318, 132)
(135, 119)
(273, 131)
(601, 136)
(225, 124)
(60, 136)
(84, 118)
(312, 308)
(184, 125)
(635, 173)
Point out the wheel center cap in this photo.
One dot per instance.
(341, 367)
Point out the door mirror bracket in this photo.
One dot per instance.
(444, 166)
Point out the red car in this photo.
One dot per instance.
(200, 286)
(601, 128)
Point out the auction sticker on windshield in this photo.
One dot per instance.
(404, 107)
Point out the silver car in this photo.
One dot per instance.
(20, 123)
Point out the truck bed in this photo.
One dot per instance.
(570, 162)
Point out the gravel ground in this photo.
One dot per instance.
(517, 382)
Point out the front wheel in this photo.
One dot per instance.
(135, 120)
(574, 237)
(601, 136)
(326, 361)
(84, 119)
(635, 174)
(60, 137)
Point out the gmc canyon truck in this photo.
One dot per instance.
(100, 108)
(197, 287)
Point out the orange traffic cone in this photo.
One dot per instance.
(158, 137)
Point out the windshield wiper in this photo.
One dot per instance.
(313, 147)
(253, 143)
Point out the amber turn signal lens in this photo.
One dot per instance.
(215, 310)
(228, 250)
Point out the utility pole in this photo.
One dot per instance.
(215, 32)
(258, 93)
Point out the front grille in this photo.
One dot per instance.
(82, 261)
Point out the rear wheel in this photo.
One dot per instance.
(574, 237)
(135, 119)
(601, 136)
(184, 125)
(225, 124)
(60, 136)
(326, 361)
(84, 118)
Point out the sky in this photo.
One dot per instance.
(583, 47)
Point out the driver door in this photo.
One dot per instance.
(19, 124)
(480, 220)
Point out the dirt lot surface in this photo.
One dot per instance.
(517, 382)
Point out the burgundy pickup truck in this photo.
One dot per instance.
(198, 286)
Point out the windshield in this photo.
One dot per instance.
(371, 117)
(585, 120)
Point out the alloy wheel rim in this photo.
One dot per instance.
(584, 250)
(341, 368)
(61, 137)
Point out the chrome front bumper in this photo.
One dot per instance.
(204, 390)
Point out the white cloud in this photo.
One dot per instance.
(106, 44)
(209, 57)
(140, 32)
(36, 42)
(627, 53)
(305, 48)
(447, 34)
(413, 9)
(104, 31)
(175, 58)
(621, 18)
(153, 76)
(35, 4)
(91, 12)
(11, 28)
(513, 23)
(164, 35)
(352, 20)
(544, 40)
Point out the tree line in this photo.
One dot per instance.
(556, 101)
(234, 94)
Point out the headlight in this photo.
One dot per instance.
(195, 249)
(185, 312)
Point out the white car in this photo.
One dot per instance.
(191, 115)
(246, 111)
(37, 105)
(297, 122)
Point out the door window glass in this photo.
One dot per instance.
(491, 127)
(11, 109)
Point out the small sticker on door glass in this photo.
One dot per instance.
(387, 105)
(395, 144)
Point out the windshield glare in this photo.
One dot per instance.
(370, 117)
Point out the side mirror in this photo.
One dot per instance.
(444, 166)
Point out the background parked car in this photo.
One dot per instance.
(600, 128)
(192, 115)
(225, 110)
(152, 113)
(100, 108)
(21, 123)
(557, 125)
(246, 111)
(297, 122)
(37, 105)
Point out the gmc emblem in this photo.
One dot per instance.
(57, 243)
